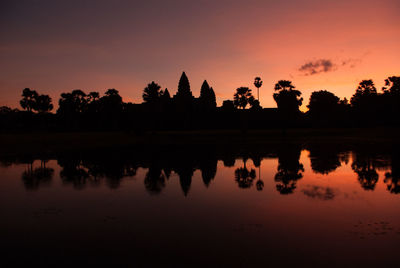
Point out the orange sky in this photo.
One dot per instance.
(58, 46)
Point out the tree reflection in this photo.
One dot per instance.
(364, 166)
(392, 178)
(257, 163)
(34, 178)
(325, 158)
(289, 169)
(73, 172)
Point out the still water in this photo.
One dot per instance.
(285, 204)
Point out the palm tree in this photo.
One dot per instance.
(258, 83)
(28, 101)
(242, 97)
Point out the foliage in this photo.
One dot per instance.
(287, 99)
(243, 97)
(152, 93)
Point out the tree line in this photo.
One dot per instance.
(78, 110)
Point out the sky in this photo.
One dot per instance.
(57, 46)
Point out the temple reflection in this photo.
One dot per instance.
(92, 169)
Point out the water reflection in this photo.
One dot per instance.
(112, 166)
(392, 178)
(244, 177)
(326, 158)
(34, 178)
(289, 168)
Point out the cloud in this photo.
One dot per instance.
(350, 62)
(318, 66)
(326, 65)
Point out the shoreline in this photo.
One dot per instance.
(15, 143)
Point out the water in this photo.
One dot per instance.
(283, 204)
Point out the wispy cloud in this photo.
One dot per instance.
(318, 66)
(326, 65)
(351, 62)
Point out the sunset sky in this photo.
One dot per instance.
(57, 46)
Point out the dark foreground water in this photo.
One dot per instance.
(283, 204)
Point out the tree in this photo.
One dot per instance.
(111, 102)
(365, 103)
(392, 84)
(284, 85)
(258, 83)
(43, 104)
(93, 96)
(287, 99)
(28, 101)
(365, 95)
(390, 99)
(72, 103)
(323, 104)
(152, 93)
(112, 92)
(243, 97)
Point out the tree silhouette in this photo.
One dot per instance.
(365, 95)
(243, 97)
(287, 99)
(152, 93)
(392, 85)
(258, 83)
(391, 99)
(72, 103)
(28, 101)
(43, 104)
(111, 108)
(323, 104)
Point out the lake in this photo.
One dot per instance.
(286, 204)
